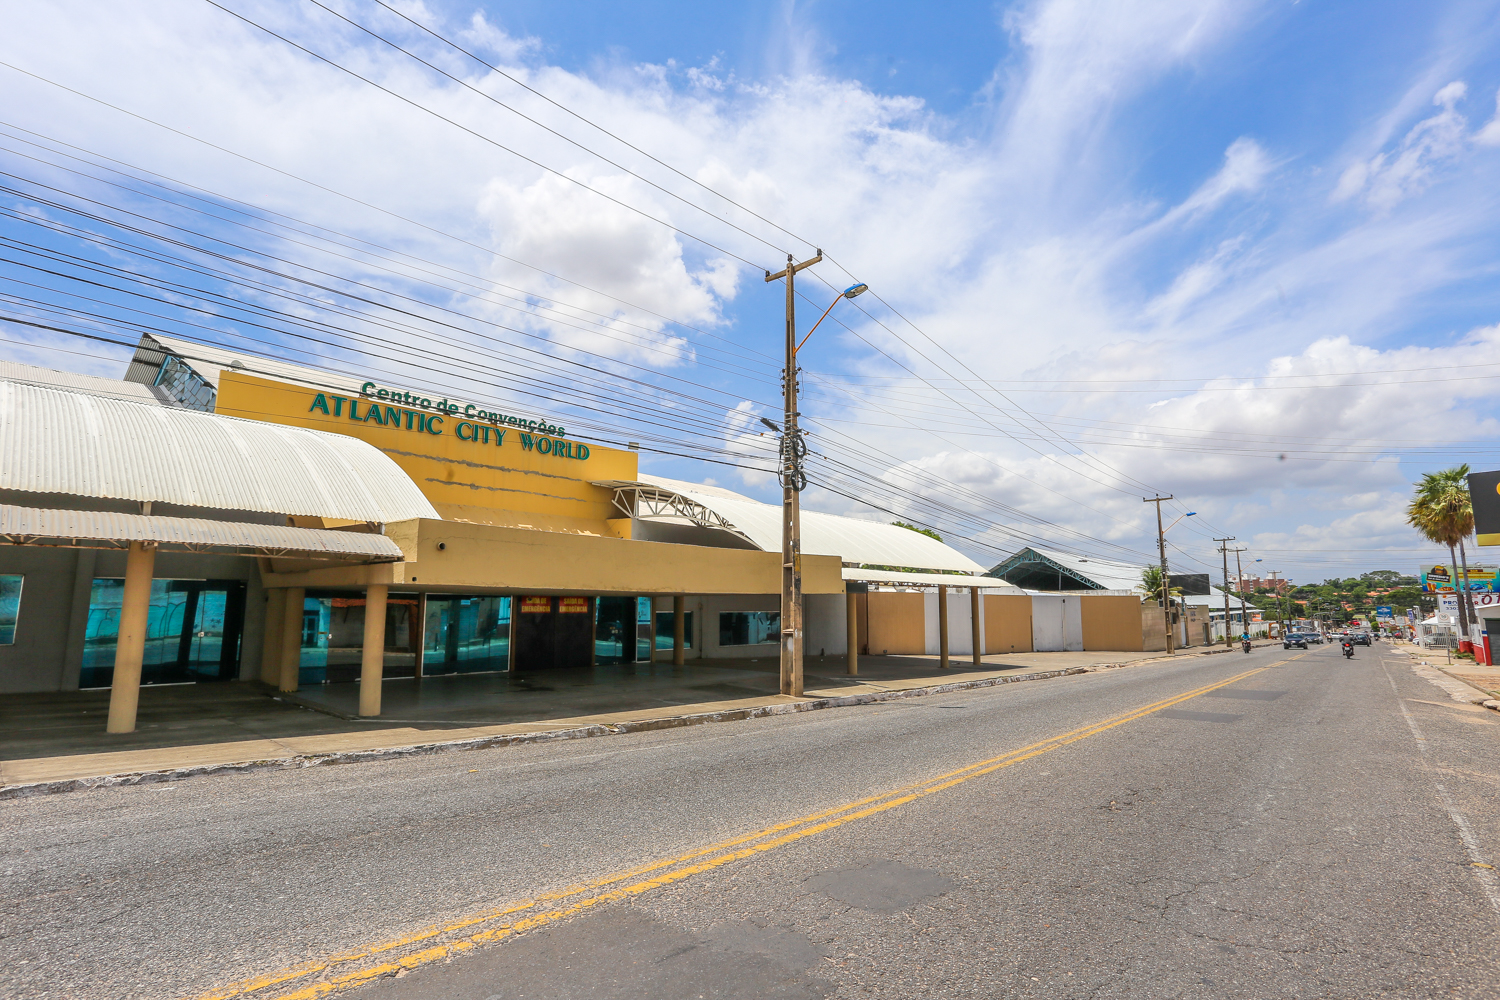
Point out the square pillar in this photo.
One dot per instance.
(679, 630)
(943, 627)
(974, 621)
(130, 646)
(270, 643)
(290, 658)
(372, 659)
(851, 620)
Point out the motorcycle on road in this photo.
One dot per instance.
(1348, 650)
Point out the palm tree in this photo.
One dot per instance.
(1151, 583)
(1441, 510)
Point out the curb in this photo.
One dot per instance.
(298, 761)
(1480, 696)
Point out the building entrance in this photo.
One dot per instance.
(192, 631)
(554, 633)
(622, 629)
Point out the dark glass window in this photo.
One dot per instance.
(664, 626)
(186, 386)
(749, 628)
(10, 607)
(192, 631)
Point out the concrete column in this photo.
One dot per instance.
(270, 642)
(679, 630)
(851, 621)
(974, 622)
(130, 646)
(943, 626)
(372, 661)
(290, 658)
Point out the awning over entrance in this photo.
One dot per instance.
(105, 530)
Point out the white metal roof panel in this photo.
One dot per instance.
(33, 526)
(928, 579)
(849, 538)
(51, 378)
(54, 441)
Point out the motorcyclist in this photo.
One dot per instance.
(1348, 647)
(1245, 641)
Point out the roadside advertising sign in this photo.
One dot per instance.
(1448, 603)
(1383, 611)
(1484, 496)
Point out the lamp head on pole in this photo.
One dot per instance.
(855, 290)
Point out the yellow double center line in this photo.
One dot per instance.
(442, 941)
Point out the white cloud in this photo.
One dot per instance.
(1390, 177)
(1031, 248)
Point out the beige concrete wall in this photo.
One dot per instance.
(897, 623)
(1153, 628)
(1112, 622)
(1007, 623)
(515, 560)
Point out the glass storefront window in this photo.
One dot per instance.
(10, 607)
(749, 628)
(466, 635)
(665, 624)
(333, 637)
(192, 631)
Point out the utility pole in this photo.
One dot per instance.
(793, 482)
(1244, 618)
(1224, 550)
(1276, 589)
(1161, 546)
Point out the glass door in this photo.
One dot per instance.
(466, 635)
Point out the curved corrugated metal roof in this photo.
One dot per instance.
(54, 441)
(852, 540)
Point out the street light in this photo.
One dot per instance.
(794, 479)
(1161, 546)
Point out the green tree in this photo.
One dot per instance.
(1441, 510)
(921, 531)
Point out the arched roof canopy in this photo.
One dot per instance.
(60, 442)
(851, 539)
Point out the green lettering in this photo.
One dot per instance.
(393, 416)
(527, 441)
(354, 410)
(583, 451)
(319, 403)
(433, 422)
(409, 416)
(544, 445)
(373, 414)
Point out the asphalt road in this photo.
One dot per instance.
(1312, 829)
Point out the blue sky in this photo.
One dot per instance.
(1241, 252)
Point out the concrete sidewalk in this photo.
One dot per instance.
(56, 741)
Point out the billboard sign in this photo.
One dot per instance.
(1192, 584)
(1448, 604)
(1480, 579)
(1484, 496)
(1383, 611)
